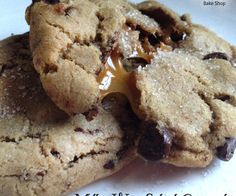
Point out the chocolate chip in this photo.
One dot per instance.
(223, 97)
(133, 63)
(41, 173)
(91, 114)
(226, 151)
(184, 17)
(149, 42)
(55, 153)
(216, 55)
(75, 160)
(163, 18)
(109, 165)
(177, 36)
(35, 1)
(52, 1)
(8, 139)
(153, 40)
(154, 144)
(114, 102)
(79, 129)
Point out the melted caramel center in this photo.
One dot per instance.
(115, 79)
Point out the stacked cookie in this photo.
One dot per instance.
(104, 81)
(43, 150)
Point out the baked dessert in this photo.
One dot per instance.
(179, 77)
(43, 150)
(71, 41)
(187, 95)
(191, 103)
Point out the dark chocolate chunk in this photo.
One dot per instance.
(219, 55)
(223, 97)
(55, 153)
(72, 162)
(35, 1)
(216, 55)
(177, 36)
(109, 165)
(184, 17)
(41, 173)
(154, 144)
(226, 151)
(164, 19)
(133, 63)
(153, 40)
(52, 1)
(114, 102)
(8, 139)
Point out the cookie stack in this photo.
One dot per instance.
(97, 83)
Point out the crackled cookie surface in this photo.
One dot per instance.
(72, 40)
(188, 99)
(191, 102)
(178, 77)
(42, 150)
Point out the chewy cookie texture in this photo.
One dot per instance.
(179, 77)
(43, 151)
(71, 41)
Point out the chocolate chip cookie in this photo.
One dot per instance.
(43, 150)
(178, 77)
(191, 104)
(72, 40)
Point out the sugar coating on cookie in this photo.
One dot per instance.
(179, 77)
(72, 40)
(43, 150)
(194, 100)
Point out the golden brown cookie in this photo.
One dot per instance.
(191, 104)
(71, 42)
(42, 150)
(179, 77)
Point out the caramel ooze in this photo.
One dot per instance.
(114, 78)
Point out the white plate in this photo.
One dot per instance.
(140, 178)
